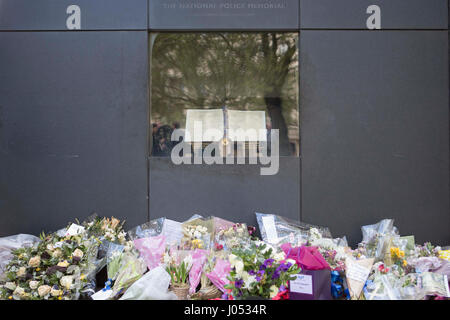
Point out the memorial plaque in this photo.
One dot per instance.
(224, 15)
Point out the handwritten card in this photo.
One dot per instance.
(302, 284)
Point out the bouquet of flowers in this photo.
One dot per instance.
(54, 269)
(63, 264)
(258, 271)
(197, 234)
(333, 250)
(235, 236)
(426, 250)
(179, 274)
(110, 229)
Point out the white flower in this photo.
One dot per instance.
(188, 262)
(50, 247)
(239, 267)
(121, 236)
(10, 285)
(237, 263)
(166, 259)
(279, 256)
(249, 281)
(66, 282)
(291, 261)
(273, 291)
(267, 248)
(34, 284)
(19, 291)
(315, 234)
(57, 253)
(21, 272)
(78, 253)
(55, 292)
(44, 290)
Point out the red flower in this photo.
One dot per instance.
(283, 295)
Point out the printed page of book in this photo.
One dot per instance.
(212, 125)
(241, 124)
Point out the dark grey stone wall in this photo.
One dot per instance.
(73, 129)
(374, 129)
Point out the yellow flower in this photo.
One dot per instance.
(59, 298)
(10, 297)
(82, 276)
(38, 269)
(405, 263)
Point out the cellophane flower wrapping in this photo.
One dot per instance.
(7, 244)
(151, 228)
(277, 230)
(197, 233)
(151, 249)
(377, 237)
(151, 286)
(114, 260)
(230, 236)
(218, 276)
(199, 258)
(56, 268)
(131, 269)
(308, 258)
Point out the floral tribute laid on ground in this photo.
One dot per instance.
(212, 258)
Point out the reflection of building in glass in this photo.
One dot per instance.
(244, 71)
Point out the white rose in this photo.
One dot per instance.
(66, 282)
(78, 253)
(55, 292)
(35, 261)
(249, 281)
(34, 284)
(44, 290)
(10, 285)
(57, 253)
(239, 267)
(21, 272)
(19, 291)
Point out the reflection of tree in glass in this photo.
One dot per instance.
(244, 71)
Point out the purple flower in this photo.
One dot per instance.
(268, 262)
(239, 283)
(262, 267)
(282, 288)
(225, 296)
(252, 272)
(276, 274)
(260, 275)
